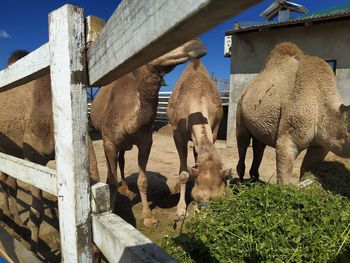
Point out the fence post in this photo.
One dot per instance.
(68, 81)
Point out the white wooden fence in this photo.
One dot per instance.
(137, 32)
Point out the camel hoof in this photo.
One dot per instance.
(181, 215)
(151, 222)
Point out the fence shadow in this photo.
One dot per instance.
(46, 253)
(123, 208)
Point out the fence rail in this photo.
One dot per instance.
(163, 100)
(40, 176)
(34, 65)
(137, 32)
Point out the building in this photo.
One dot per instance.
(325, 34)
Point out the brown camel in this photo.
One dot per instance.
(26, 131)
(292, 105)
(124, 112)
(195, 112)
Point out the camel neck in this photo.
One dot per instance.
(149, 92)
(148, 84)
(207, 151)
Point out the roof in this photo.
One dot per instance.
(275, 7)
(333, 13)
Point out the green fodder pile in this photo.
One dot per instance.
(267, 223)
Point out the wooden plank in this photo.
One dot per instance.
(121, 242)
(34, 65)
(40, 176)
(100, 198)
(14, 251)
(68, 82)
(140, 31)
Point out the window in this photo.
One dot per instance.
(333, 64)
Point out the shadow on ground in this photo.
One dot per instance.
(195, 248)
(158, 193)
(334, 177)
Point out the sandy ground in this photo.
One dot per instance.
(162, 172)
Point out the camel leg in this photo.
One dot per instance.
(124, 186)
(36, 210)
(243, 137)
(313, 156)
(112, 176)
(121, 162)
(12, 188)
(181, 146)
(6, 209)
(94, 174)
(286, 153)
(243, 141)
(258, 152)
(144, 152)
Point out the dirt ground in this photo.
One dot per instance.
(162, 172)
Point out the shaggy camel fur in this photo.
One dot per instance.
(195, 113)
(124, 112)
(292, 105)
(26, 131)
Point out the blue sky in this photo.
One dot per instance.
(23, 25)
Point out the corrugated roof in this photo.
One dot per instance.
(335, 12)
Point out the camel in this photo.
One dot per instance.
(124, 113)
(292, 105)
(26, 131)
(195, 112)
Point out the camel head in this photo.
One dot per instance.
(208, 173)
(209, 182)
(190, 50)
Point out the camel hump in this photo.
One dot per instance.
(18, 54)
(286, 49)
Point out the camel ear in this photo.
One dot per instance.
(194, 172)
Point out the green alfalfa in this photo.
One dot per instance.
(267, 223)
